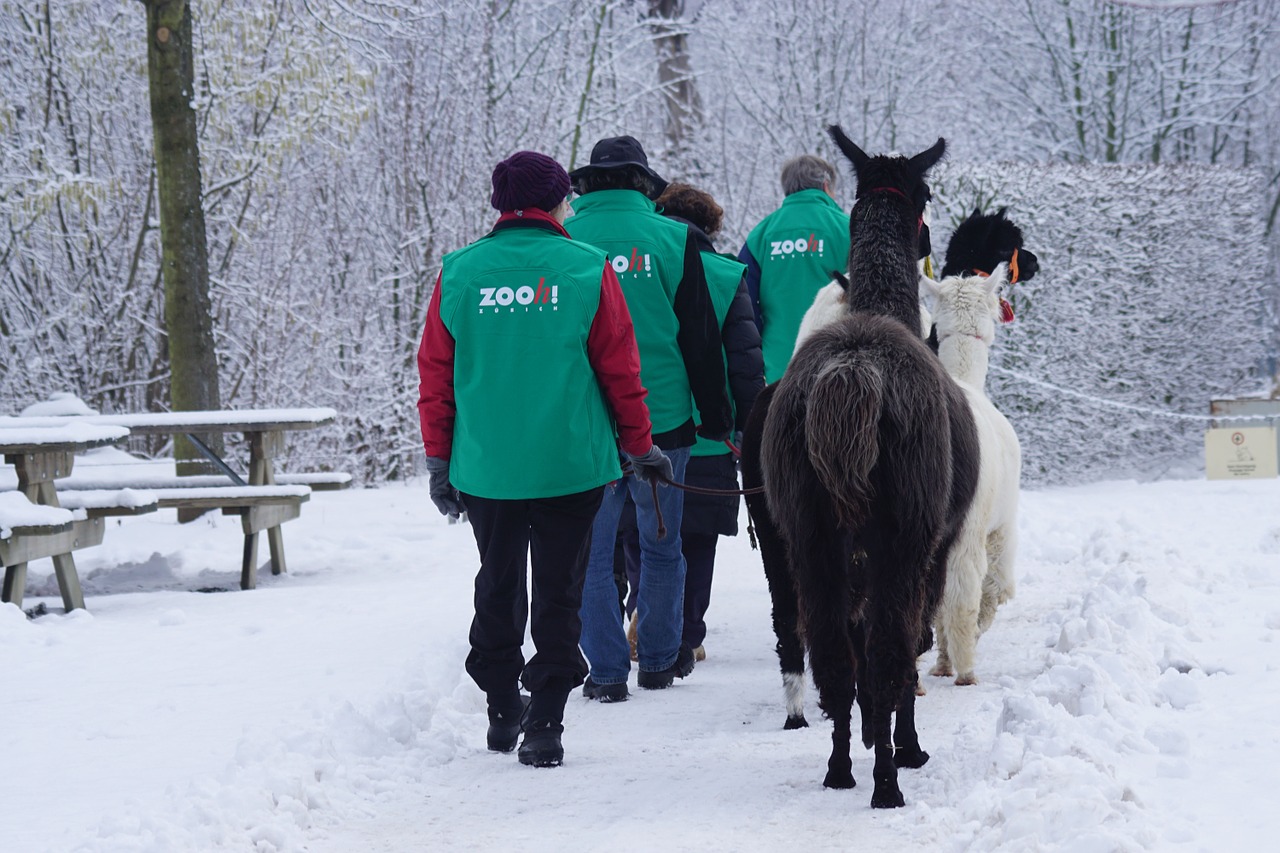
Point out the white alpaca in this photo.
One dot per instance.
(830, 304)
(980, 567)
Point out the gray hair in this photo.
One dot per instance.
(807, 172)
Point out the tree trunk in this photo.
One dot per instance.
(683, 110)
(193, 382)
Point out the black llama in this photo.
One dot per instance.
(979, 244)
(984, 241)
(869, 458)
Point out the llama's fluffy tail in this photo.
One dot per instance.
(841, 433)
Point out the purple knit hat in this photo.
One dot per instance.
(528, 179)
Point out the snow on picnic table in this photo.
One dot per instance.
(20, 432)
(177, 420)
(1126, 700)
(17, 511)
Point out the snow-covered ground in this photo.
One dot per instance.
(1128, 700)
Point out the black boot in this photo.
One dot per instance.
(541, 746)
(604, 692)
(543, 725)
(664, 678)
(505, 715)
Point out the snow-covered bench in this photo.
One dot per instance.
(30, 531)
(259, 507)
(263, 499)
(32, 521)
(150, 477)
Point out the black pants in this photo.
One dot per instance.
(555, 535)
(700, 556)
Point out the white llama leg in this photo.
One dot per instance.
(962, 598)
(942, 667)
(999, 584)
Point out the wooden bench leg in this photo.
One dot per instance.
(275, 541)
(269, 518)
(15, 583)
(68, 581)
(249, 569)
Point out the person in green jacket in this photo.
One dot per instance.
(713, 464)
(529, 385)
(792, 254)
(661, 273)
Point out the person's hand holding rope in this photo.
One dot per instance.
(651, 465)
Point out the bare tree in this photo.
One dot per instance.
(681, 106)
(193, 382)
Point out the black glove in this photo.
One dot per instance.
(443, 494)
(652, 463)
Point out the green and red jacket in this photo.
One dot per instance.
(529, 372)
(663, 281)
(790, 256)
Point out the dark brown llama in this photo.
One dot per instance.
(869, 459)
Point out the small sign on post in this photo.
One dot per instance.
(1242, 439)
(1245, 453)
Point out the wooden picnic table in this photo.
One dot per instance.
(40, 456)
(263, 430)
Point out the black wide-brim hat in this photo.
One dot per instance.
(616, 152)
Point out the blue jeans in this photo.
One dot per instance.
(660, 602)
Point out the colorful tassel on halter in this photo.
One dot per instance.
(1006, 311)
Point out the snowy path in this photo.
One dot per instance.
(1127, 702)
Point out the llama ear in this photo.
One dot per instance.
(926, 160)
(999, 276)
(929, 287)
(855, 154)
(840, 277)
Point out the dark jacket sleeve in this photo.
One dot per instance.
(742, 352)
(436, 407)
(611, 349)
(699, 341)
(752, 277)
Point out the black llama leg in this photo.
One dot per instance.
(893, 617)
(906, 741)
(777, 569)
(826, 603)
(862, 688)
(785, 626)
(907, 752)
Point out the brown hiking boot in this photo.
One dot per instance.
(633, 633)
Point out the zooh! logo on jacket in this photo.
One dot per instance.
(798, 246)
(525, 297)
(635, 264)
